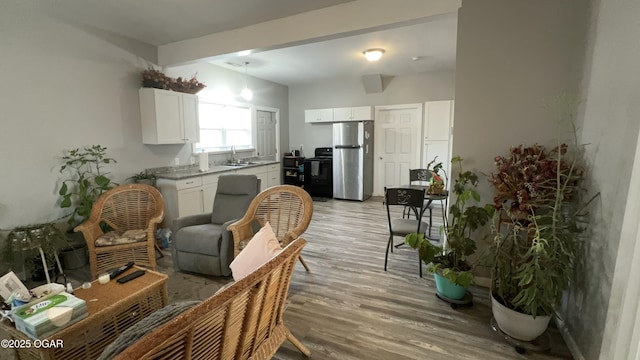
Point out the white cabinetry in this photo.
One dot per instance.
(359, 113)
(438, 120)
(190, 201)
(318, 115)
(438, 123)
(168, 117)
(273, 175)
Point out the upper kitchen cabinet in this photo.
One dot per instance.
(318, 115)
(168, 117)
(359, 113)
(438, 120)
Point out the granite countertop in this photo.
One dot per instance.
(179, 173)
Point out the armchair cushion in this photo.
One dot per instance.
(200, 239)
(190, 220)
(263, 246)
(115, 238)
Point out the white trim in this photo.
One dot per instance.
(573, 347)
(622, 327)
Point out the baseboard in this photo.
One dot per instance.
(568, 338)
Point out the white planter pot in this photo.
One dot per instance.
(518, 325)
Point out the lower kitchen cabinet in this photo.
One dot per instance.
(209, 188)
(195, 195)
(273, 175)
(190, 201)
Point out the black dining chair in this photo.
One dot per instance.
(406, 197)
(420, 177)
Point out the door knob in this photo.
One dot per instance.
(380, 157)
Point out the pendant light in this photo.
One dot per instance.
(246, 93)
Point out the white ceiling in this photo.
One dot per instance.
(159, 22)
(409, 50)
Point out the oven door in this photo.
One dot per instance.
(318, 171)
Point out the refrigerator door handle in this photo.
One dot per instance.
(348, 146)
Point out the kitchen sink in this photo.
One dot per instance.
(242, 164)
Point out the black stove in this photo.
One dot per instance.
(318, 173)
(323, 153)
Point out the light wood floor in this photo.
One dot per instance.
(348, 307)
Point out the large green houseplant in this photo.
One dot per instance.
(451, 261)
(537, 232)
(87, 180)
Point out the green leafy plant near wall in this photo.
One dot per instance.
(87, 180)
(464, 219)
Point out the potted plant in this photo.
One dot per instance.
(436, 183)
(449, 264)
(144, 177)
(537, 232)
(152, 78)
(87, 180)
(25, 246)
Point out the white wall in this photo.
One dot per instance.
(67, 87)
(611, 126)
(64, 88)
(511, 58)
(350, 92)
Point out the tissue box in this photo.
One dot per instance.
(48, 315)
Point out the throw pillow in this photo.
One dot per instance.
(263, 246)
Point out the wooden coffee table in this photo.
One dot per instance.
(112, 308)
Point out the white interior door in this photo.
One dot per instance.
(398, 131)
(266, 132)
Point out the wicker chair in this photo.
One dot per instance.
(125, 207)
(287, 208)
(244, 321)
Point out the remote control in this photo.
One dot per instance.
(131, 276)
(115, 272)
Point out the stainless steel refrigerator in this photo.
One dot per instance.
(353, 160)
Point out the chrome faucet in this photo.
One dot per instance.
(233, 154)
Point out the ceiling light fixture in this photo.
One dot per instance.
(246, 93)
(373, 54)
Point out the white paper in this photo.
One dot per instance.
(203, 161)
(10, 284)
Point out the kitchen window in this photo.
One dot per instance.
(224, 126)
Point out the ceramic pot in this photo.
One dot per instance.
(518, 325)
(448, 289)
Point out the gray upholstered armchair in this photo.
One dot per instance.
(201, 243)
